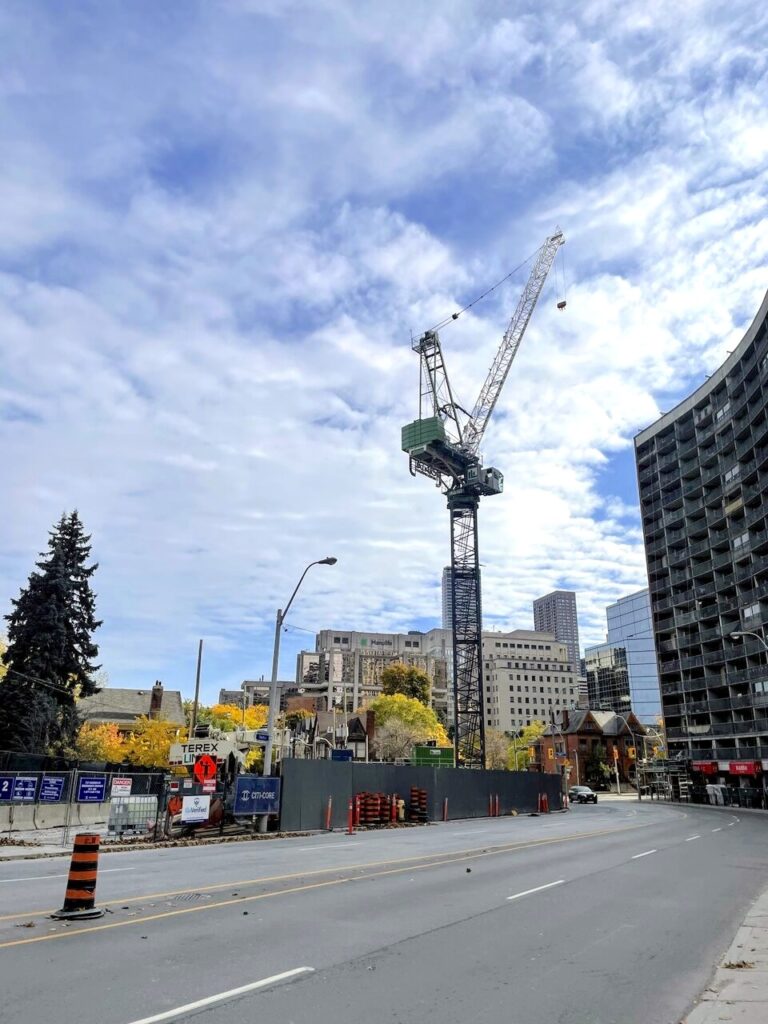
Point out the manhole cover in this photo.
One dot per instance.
(190, 897)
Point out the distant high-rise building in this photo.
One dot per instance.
(621, 673)
(447, 597)
(556, 613)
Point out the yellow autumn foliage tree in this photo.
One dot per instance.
(150, 742)
(230, 716)
(100, 743)
(411, 712)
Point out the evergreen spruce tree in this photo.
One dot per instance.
(50, 654)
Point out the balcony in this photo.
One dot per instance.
(700, 569)
(747, 675)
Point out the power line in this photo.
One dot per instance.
(34, 679)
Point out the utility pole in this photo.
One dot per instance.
(197, 689)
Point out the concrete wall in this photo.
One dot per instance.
(23, 817)
(308, 784)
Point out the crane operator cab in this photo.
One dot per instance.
(487, 481)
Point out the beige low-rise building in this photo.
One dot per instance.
(527, 675)
(346, 666)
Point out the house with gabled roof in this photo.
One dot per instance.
(115, 705)
(575, 741)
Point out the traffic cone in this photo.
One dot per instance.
(80, 895)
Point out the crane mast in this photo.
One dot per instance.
(444, 445)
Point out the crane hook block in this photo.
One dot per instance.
(454, 316)
(561, 304)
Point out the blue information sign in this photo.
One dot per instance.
(262, 736)
(341, 755)
(24, 788)
(51, 789)
(6, 787)
(255, 794)
(91, 789)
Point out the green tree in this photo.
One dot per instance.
(597, 768)
(525, 739)
(50, 652)
(409, 680)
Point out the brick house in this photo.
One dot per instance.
(573, 742)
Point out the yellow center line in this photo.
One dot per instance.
(445, 859)
(508, 847)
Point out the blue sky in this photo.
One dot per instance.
(221, 222)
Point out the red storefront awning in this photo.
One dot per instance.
(745, 767)
(705, 767)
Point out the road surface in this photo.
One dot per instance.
(608, 913)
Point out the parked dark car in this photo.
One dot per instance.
(582, 795)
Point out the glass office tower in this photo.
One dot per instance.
(621, 673)
(703, 480)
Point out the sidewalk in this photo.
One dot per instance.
(738, 992)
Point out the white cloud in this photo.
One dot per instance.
(215, 257)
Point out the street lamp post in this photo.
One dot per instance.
(279, 620)
(634, 741)
(741, 633)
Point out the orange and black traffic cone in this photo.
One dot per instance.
(80, 897)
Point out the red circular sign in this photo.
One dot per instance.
(205, 768)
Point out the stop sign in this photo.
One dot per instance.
(205, 768)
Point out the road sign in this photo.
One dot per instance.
(91, 789)
(205, 768)
(188, 753)
(121, 786)
(256, 794)
(6, 787)
(51, 789)
(341, 755)
(262, 736)
(24, 788)
(437, 757)
(195, 809)
(209, 786)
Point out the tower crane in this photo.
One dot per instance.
(444, 444)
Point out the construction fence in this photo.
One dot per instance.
(308, 786)
(117, 802)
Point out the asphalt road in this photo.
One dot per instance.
(614, 913)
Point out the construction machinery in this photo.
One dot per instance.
(444, 444)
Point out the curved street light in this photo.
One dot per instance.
(279, 620)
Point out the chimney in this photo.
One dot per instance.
(156, 700)
(370, 725)
(564, 717)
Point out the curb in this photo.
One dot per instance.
(738, 991)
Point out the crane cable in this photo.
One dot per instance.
(455, 316)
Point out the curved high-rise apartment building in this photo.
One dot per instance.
(703, 479)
